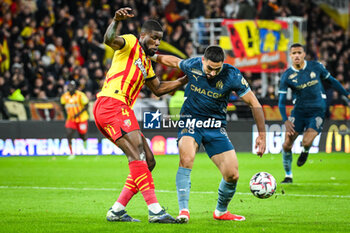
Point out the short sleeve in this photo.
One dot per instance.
(185, 65)
(129, 41)
(242, 87)
(324, 74)
(283, 84)
(150, 74)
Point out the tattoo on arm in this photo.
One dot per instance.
(111, 32)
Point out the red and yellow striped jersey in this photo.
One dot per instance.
(74, 104)
(129, 70)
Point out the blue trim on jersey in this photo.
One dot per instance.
(248, 90)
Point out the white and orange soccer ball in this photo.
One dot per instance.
(263, 185)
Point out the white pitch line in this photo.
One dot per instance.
(319, 184)
(161, 191)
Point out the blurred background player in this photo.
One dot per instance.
(75, 104)
(304, 78)
(131, 68)
(210, 84)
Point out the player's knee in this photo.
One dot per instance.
(232, 178)
(306, 142)
(186, 162)
(235, 177)
(287, 147)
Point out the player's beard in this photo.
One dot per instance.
(298, 63)
(149, 52)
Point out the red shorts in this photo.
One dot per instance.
(114, 118)
(81, 127)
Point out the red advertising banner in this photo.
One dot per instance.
(257, 45)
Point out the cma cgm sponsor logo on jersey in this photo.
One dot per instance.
(155, 120)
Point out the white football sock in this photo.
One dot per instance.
(117, 207)
(155, 208)
(219, 213)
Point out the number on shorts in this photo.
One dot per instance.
(125, 112)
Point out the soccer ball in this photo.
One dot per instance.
(263, 185)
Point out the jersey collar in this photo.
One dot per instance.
(305, 63)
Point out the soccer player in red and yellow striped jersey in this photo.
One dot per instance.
(75, 103)
(131, 68)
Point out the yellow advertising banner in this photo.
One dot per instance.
(257, 45)
(338, 10)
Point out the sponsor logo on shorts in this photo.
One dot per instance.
(82, 126)
(127, 122)
(319, 122)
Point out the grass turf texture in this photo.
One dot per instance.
(53, 194)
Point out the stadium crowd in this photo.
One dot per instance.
(45, 43)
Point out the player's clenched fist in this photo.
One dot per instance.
(122, 14)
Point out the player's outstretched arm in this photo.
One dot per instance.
(167, 60)
(259, 118)
(111, 38)
(162, 87)
(337, 86)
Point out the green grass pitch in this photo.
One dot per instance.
(53, 194)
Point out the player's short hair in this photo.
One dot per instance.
(214, 53)
(296, 45)
(151, 25)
